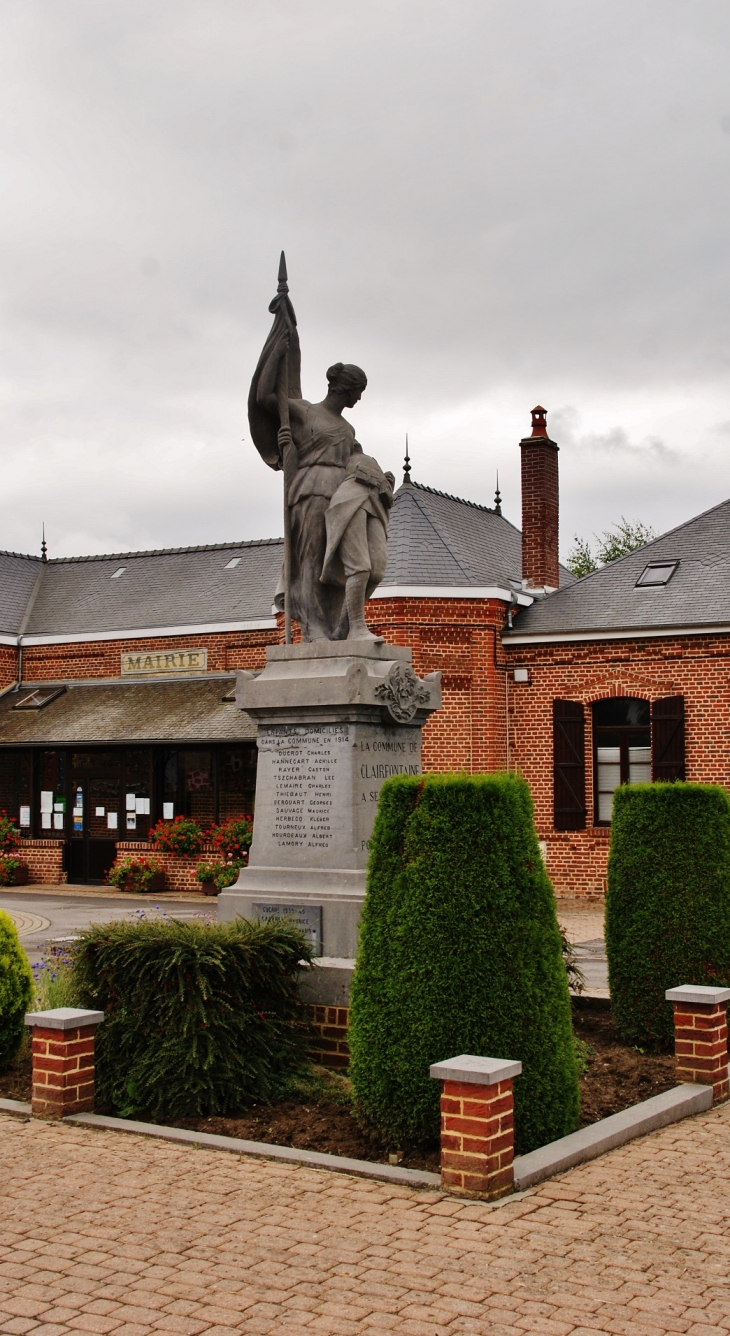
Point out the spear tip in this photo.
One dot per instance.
(282, 269)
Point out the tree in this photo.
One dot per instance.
(581, 560)
(623, 538)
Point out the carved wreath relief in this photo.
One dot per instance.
(402, 692)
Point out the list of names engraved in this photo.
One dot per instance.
(305, 764)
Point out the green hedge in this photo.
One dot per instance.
(667, 903)
(16, 989)
(200, 1018)
(459, 952)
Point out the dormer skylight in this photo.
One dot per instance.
(656, 573)
(230, 564)
(38, 698)
(122, 571)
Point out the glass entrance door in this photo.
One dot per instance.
(97, 813)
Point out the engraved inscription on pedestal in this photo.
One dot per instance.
(302, 795)
(380, 753)
(308, 918)
(317, 790)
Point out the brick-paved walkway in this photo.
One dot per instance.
(102, 1232)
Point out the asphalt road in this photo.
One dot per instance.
(40, 919)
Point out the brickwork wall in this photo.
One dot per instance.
(44, 859)
(696, 667)
(226, 651)
(8, 665)
(460, 638)
(328, 1028)
(179, 870)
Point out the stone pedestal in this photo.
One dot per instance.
(335, 720)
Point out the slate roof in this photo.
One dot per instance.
(192, 710)
(698, 594)
(18, 575)
(178, 587)
(434, 539)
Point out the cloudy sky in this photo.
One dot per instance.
(485, 203)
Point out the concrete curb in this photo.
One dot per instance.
(670, 1107)
(15, 1106)
(313, 1159)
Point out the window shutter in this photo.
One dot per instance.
(569, 766)
(667, 739)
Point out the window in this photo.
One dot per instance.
(632, 744)
(622, 749)
(122, 571)
(229, 566)
(656, 573)
(38, 698)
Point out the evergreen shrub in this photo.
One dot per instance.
(16, 989)
(667, 901)
(459, 952)
(200, 1018)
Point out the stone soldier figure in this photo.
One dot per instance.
(337, 499)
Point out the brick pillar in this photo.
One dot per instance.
(700, 1036)
(63, 1060)
(540, 505)
(477, 1125)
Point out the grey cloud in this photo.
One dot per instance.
(483, 204)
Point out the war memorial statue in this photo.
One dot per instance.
(338, 711)
(337, 499)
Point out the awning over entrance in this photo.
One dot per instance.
(178, 711)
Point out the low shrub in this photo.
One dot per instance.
(667, 901)
(135, 874)
(459, 952)
(9, 834)
(16, 989)
(233, 838)
(181, 836)
(8, 870)
(200, 1018)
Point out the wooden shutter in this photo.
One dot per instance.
(569, 765)
(667, 738)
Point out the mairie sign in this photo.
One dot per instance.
(165, 662)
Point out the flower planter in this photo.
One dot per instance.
(208, 887)
(18, 876)
(156, 885)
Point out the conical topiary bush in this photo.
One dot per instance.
(459, 952)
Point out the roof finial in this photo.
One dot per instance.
(497, 498)
(407, 466)
(44, 545)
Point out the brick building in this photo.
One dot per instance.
(624, 677)
(117, 672)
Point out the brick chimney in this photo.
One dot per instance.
(539, 505)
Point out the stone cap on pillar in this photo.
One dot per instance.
(68, 1018)
(478, 1071)
(697, 993)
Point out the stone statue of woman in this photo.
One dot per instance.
(337, 499)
